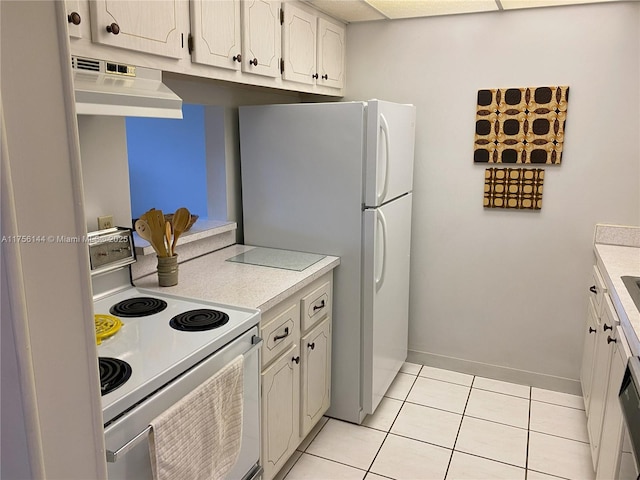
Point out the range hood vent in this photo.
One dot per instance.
(111, 88)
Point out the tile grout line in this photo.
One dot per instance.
(391, 426)
(453, 447)
(526, 459)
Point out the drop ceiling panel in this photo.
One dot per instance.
(424, 8)
(514, 4)
(347, 10)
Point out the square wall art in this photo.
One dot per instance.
(514, 188)
(520, 125)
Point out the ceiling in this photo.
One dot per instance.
(366, 10)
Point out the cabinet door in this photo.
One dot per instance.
(299, 45)
(73, 18)
(280, 411)
(605, 342)
(261, 37)
(150, 27)
(215, 33)
(331, 49)
(316, 375)
(612, 432)
(589, 347)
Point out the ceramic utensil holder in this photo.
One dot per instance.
(168, 271)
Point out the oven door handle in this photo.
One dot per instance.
(112, 457)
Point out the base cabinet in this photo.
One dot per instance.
(316, 375)
(280, 405)
(296, 371)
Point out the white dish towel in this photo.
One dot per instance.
(199, 437)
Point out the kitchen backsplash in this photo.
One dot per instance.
(617, 235)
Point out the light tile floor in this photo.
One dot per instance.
(438, 424)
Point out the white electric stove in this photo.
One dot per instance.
(165, 347)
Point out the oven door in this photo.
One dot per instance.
(126, 437)
(630, 405)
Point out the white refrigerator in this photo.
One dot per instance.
(336, 178)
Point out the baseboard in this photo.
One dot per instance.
(506, 374)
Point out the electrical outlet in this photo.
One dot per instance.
(105, 222)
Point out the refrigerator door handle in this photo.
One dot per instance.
(383, 224)
(384, 126)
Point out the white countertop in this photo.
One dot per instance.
(619, 261)
(210, 277)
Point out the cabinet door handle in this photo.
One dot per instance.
(607, 327)
(319, 307)
(74, 17)
(284, 335)
(315, 75)
(593, 289)
(312, 345)
(254, 62)
(296, 359)
(237, 58)
(609, 339)
(592, 330)
(325, 77)
(114, 28)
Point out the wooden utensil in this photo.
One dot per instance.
(181, 220)
(142, 227)
(167, 236)
(155, 219)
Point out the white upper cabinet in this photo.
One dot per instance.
(151, 27)
(261, 37)
(73, 18)
(215, 33)
(331, 51)
(312, 48)
(299, 33)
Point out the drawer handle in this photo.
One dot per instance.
(316, 307)
(312, 345)
(609, 339)
(592, 330)
(607, 327)
(593, 289)
(296, 359)
(280, 337)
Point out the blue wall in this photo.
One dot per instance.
(167, 163)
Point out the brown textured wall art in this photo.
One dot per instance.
(516, 188)
(520, 125)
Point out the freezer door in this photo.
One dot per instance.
(387, 242)
(390, 151)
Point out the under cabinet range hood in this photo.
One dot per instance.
(110, 88)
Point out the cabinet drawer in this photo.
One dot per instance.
(280, 333)
(316, 305)
(597, 290)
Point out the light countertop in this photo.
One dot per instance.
(210, 277)
(617, 262)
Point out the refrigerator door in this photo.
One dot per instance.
(390, 151)
(387, 242)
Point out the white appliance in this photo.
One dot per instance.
(337, 178)
(166, 347)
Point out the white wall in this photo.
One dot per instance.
(508, 288)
